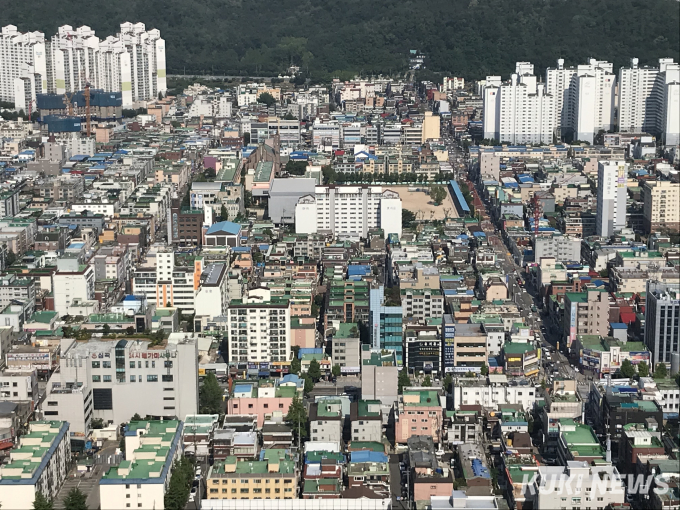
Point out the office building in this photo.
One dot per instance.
(611, 197)
(349, 210)
(125, 377)
(662, 313)
(39, 464)
(661, 205)
(259, 326)
(385, 323)
(142, 479)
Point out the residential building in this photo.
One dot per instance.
(19, 385)
(366, 420)
(143, 478)
(259, 328)
(266, 400)
(346, 347)
(212, 298)
(579, 485)
(422, 303)
(662, 313)
(493, 391)
(14, 289)
(350, 210)
(272, 477)
(419, 413)
(39, 464)
(611, 197)
(469, 348)
(126, 377)
(326, 421)
(661, 205)
(562, 248)
(22, 57)
(72, 280)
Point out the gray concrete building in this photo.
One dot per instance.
(284, 195)
(662, 313)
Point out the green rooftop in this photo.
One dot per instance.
(329, 408)
(44, 317)
(347, 330)
(363, 411)
(427, 398)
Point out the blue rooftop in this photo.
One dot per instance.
(225, 226)
(618, 325)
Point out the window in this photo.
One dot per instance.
(95, 364)
(151, 378)
(153, 364)
(133, 378)
(96, 378)
(107, 378)
(106, 364)
(132, 364)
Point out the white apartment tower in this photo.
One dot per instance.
(519, 111)
(131, 62)
(611, 197)
(584, 98)
(349, 210)
(23, 69)
(649, 99)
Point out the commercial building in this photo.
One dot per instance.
(379, 376)
(39, 464)
(469, 348)
(272, 477)
(612, 178)
(284, 196)
(661, 205)
(346, 347)
(662, 313)
(142, 479)
(259, 328)
(422, 350)
(493, 391)
(125, 377)
(585, 313)
(562, 248)
(419, 413)
(349, 210)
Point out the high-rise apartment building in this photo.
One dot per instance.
(519, 111)
(23, 69)
(662, 314)
(349, 210)
(584, 98)
(131, 62)
(661, 205)
(611, 197)
(259, 328)
(649, 99)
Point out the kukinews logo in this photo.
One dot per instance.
(577, 485)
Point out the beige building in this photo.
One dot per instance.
(661, 205)
(469, 346)
(424, 277)
(275, 477)
(431, 127)
(586, 313)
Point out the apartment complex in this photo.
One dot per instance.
(349, 210)
(661, 205)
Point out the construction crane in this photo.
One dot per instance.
(68, 103)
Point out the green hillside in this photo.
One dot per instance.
(470, 38)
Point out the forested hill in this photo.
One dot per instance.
(469, 38)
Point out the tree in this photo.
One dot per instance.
(180, 484)
(97, 423)
(210, 396)
(295, 362)
(160, 96)
(407, 218)
(289, 116)
(604, 273)
(336, 371)
(224, 215)
(10, 258)
(427, 382)
(266, 98)
(106, 329)
(643, 369)
(42, 503)
(130, 330)
(314, 370)
(660, 372)
(309, 384)
(75, 500)
(296, 418)
(404, 380)
(448, 381)
(136, 417)
(484, 370)
(438, 194)
(627, 369)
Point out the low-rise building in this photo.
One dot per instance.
(366, 420)
(326, 421)
(142, 479)
(39, 464)
(420, 413)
